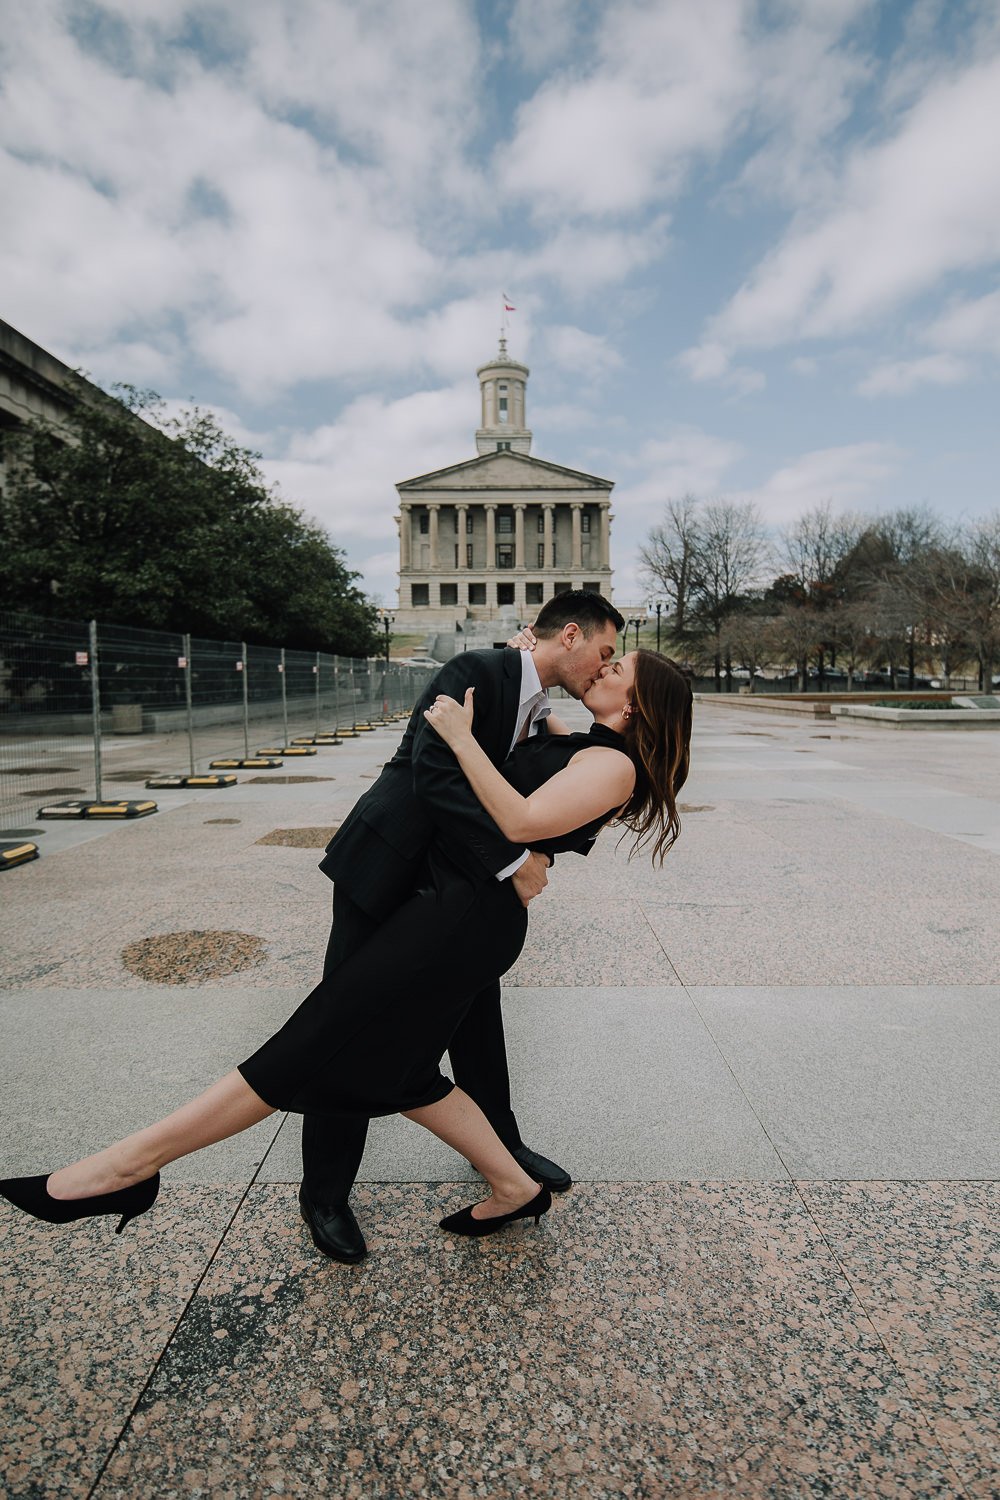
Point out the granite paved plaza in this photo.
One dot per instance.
(771, 1067)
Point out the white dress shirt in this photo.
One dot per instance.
(533, 706)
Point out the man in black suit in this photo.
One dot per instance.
(376, 857)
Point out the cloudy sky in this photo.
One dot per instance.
(753, 247)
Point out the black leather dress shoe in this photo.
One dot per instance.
(556, 1179)
(334, 1229)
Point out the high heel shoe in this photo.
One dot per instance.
(464, 1223)
(32, 1195)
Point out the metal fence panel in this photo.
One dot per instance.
(46, 719)
(166, 704)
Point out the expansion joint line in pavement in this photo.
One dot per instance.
(659, 944)
(184, 1312)
(869, 1319)
(797, 1187)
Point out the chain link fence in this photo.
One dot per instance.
(94, 711)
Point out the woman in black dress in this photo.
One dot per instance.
(369, 1039)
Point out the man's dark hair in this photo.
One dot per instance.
(580, 606)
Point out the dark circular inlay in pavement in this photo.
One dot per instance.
(222, 820)
(300, 838)
(57, 791)
(23, 833)
(689, 807)
(287, 780)
(136, 773)
(42, 771)
(193, 957)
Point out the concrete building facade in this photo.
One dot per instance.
(499, 533)
(37, 387)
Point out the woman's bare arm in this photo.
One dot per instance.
(595, 780)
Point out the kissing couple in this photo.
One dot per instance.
(434, 870)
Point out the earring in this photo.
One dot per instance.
(626, 712)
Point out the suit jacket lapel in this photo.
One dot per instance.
(510, 697)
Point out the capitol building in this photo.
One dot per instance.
(500, 533)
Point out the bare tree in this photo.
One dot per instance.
(983, 624)
(889, 551)
(814, 547)
(852, 626)
(938, 583)
(890, 610)
(814, 550)
(795, 633)
(750, 639)
(667, 557)
(727, 567)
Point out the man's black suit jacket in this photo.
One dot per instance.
(376, 855)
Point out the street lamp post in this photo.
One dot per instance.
(388, 621)
(636, 620)
(659, 611)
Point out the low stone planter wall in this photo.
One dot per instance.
(920, 718)
(818, 705)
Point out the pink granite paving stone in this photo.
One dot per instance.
(86, 1316)
(648, 1340)
(924, 1259)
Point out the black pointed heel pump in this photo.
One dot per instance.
(464, 1223)
(32, 1195)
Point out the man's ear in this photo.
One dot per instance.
(570, 634)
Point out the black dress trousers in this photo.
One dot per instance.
(369, 1038)
(333, 1145)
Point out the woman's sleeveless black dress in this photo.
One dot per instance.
(370, 1037)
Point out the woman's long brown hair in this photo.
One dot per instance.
(658, 739)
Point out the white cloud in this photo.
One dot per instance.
(542, 31)
(806, 76)
(911, 210)
(804, 364)
(687, 461)
(970, 325)
(849, 476)
(589, 355)
(899, 377)
(229, 421)
(667, 83)
(144, 204)
(344, 473)
(583, 260)
(712, 361)
(402, 88)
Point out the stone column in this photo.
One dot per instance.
(405, 535)
(491, 536)
(576, 506)
(460, 511)
(605, 536)
(547, 535)
(519, 536)
(435, 561)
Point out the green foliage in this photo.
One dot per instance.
(171, 527)
(918, 703)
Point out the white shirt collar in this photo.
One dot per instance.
(531, 686)
(533, 705)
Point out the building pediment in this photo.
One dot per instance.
(505, 471)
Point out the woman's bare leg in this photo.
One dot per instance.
(458, 1120)
(225, 1109)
